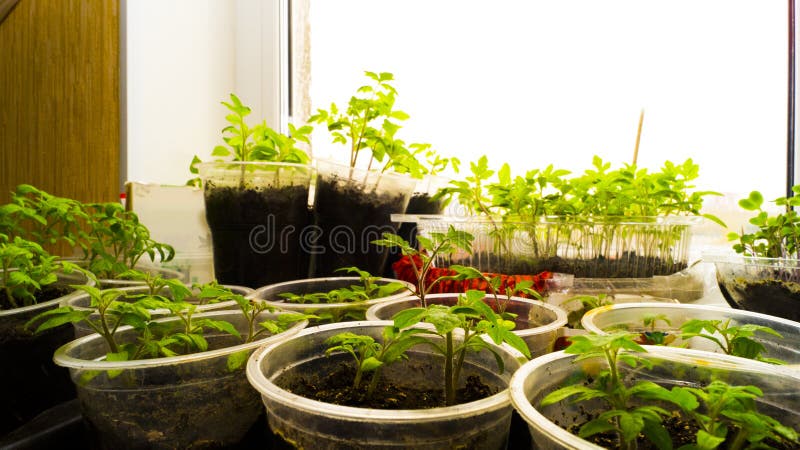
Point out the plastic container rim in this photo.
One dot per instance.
(62, 359)
(362, 172)
(559, 321)
(591, 327)
(550, 220)
(295, 306)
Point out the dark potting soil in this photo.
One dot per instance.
(680, 430)
(349, 219)
(256, 233)
(418, 204)
(629, 266)
(31, 382)
(335, 387)
(774, 297)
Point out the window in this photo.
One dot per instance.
(549, 82)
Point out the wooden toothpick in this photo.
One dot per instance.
(638, 137)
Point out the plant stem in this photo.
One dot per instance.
(373, 383)
(107, 334)
(450, 389)
(462, 353)
(6, 286)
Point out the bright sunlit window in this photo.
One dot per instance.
(534, 83)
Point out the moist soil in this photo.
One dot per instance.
(348, 218)
(770, 296)
(30, 382)
(629, 266)
(681, 430)
(418, 204)
(276, 254)
(335, 387)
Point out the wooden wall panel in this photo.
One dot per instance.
(59, 98)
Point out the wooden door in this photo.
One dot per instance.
(59, 98)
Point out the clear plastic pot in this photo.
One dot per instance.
(258, 213)
(537, 323)
(82, 301)
(630, 316)
(588, 247)
(187, 401)
(672, 367)
(30, 383)
(765, 285)
(329, 312)
(352, 208)
(308, 423)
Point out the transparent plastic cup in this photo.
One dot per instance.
(30, 383)
(195, 400)
(308, 423)
(671, 367)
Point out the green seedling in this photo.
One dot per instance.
(728, 418)
(35, 215)
(371, 356)
(368, 289)
(622, 417)
(111, 239)
(255, 143)
(26, 270)
(472, 316)
(573, 204)
(653, 336)
(370, 123)
(117, 241)
(111, 309)
(435, 244)
(587, 302)
(776, 236)
(733, 340)
(639, 409)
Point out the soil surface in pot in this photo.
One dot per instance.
(349, 218)
(335, 386)
(31, 382)
(681, 430)
(274, 216)
(769, 296)
(630, 266)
